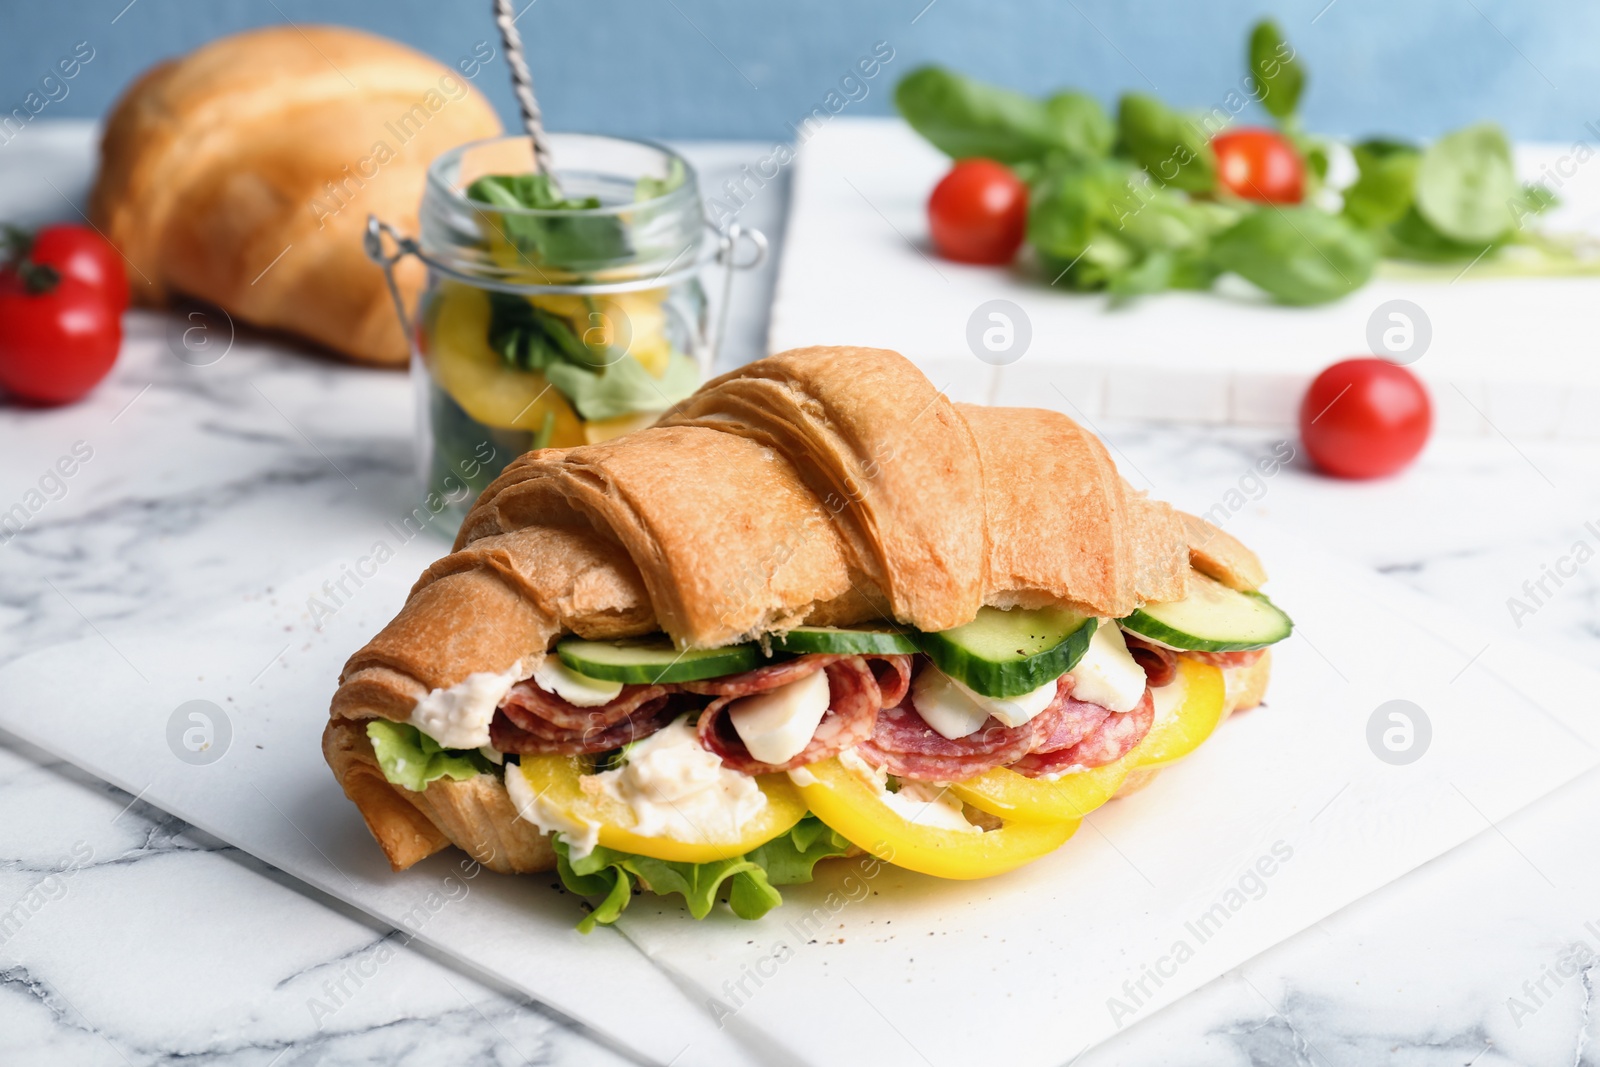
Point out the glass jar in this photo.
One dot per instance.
(552, 326)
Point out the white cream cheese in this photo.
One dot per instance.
(924, 803)
(677, 789)
(553, 676)
(1108, 674)
(778, 724)
(673, 787)
(955, 711)
(458, 717)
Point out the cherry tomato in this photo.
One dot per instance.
(1260, 165)
(79, 252)
(978, 213)
(1364, 418)
(58, 335)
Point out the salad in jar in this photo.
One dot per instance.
(569, 311)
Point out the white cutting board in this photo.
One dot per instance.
(1020, 969)
(1513, 356)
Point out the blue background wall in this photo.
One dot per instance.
(722, 68)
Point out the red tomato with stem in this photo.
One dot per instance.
(58, 335)
(1365, 418)
(79, 252)
(978, 213)
(1261, 165)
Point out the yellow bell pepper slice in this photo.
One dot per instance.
(1188, 711)
(557, 781)
(855, 808)
(458, 354)
(1185, 718)
(1005, 793)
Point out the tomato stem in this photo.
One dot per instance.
(38, 278)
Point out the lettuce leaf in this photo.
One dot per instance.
(411, 759)
(785, 860)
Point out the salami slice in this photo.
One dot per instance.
(893, 675)
(557, 711)
(852, 711)
(1109, 741)
(759, 680)
(516, 730)
(1160, 664)
(1066, 723)
(907, 747)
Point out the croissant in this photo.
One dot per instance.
(817, 487)
(242, 174)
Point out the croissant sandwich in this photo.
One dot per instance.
(816, 610)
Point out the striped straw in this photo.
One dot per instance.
(522, 84)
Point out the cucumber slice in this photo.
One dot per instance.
(1005, 653)
(854, 640)
(1212, 618)
(654, 659)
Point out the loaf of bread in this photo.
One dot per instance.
(242, 175)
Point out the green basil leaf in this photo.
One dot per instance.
(1386, 182)
(1095, 223)
(529, 337)
(1414, 237)
(1299, 255)
(1075, 220)
(1082, 125)
(1174, 149)
(1276, 68)
(625, 386)
(1466, 184)
(574, 242)
(965, 118)
(1152, 274)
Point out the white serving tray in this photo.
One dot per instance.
(868, 970)
(1507, 355)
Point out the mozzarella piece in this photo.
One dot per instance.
(956, 711)
(458, 716)
(553, 676)
(1014, 711)
(945, 706)
(777, 725)
(1108, 674)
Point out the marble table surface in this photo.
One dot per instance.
(134, 939)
